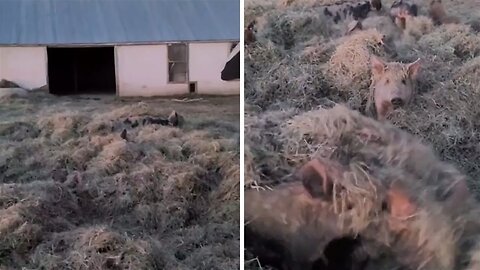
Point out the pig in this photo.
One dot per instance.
(249, 33)
(377, 4)
(174, 119)
(439, 15)
(393, 85)
(294, 226)
(357, 12)
(475, 25)
(399, 10)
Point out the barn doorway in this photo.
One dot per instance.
(81, 70)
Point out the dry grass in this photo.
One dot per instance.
(75, 195)
(349, 66)
(286, 86)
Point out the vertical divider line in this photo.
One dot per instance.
(242, 135)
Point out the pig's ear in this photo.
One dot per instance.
(400, 204)
(353, 25)
(316, 178)
(413, 68)
(377, 65)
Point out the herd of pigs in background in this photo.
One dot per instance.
(392, 86)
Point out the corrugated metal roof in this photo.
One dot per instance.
(48, 22)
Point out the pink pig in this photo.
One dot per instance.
(393, 85)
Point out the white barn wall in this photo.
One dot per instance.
(143, 71)
(1, 65)
(206, 62)
(26, 66)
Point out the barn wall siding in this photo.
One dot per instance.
(26, 66)
(206, 61)
(143, 71)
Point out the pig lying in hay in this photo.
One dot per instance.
(379, 183)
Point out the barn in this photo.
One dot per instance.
(120, 47)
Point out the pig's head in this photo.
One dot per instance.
(400, 11)
(401, 6)
(251, 26)
(250, 33)
(393, 84)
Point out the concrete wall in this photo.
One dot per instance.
(26, 66)
(143, 71)
(206, 62)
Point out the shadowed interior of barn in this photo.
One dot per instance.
(81, 70)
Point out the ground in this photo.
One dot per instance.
(75, 195)
(288, 73)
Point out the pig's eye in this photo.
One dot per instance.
(404, 82)
(387, 81)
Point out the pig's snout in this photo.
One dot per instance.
(397, 102)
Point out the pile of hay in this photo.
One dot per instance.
(349, 66)
(74, 194)
(284, 128)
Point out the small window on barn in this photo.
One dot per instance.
(177, 63)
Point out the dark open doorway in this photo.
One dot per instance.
(81, 70)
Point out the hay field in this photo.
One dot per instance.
(291, 77)
(75, 195)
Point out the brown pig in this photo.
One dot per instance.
(291, 226)
(249, 33)
(400, 10)
(393, 85)
(439, 15)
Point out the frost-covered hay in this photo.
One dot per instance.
(349, 67)
(451, 41)
(447, 117)
(74, 194)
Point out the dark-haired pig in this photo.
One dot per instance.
(439, 15)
